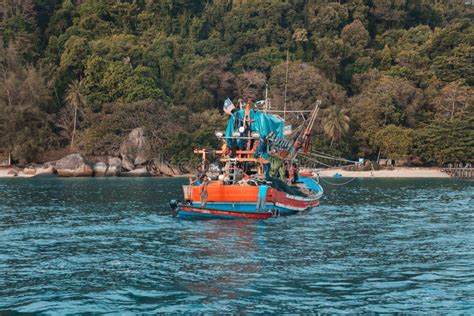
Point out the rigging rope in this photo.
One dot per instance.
(337, 184)
(324, 180)
(331, 157)
(322, 163)
(315, 160)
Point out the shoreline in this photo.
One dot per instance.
(21, 175)
(399, 172)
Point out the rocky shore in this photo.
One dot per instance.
(75, 165)
(132, 160)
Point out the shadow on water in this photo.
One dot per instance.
(111, 245)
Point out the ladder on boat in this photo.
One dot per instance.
(232, 170)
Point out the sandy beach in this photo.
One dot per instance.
(395, 173)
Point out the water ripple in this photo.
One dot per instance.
(110, 246)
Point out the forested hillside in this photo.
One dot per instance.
(394, 76)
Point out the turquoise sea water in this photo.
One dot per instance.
(111, 246)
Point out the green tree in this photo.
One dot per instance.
(336, 123)
(204, 84)
(331, 54)
(247, 31)
(446, 141)
(110, 81)
(76, 51)
(25, 95)
(327, 18)
(262, 60)
(355, 35)
(250, 84)
(388, 13)
(455, 100)
(457, 65)
(75, 100)
(383, 100)
(306, 85)
(18, 24)
(386, 57)
(395, 142)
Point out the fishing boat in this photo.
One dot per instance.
(256, 176)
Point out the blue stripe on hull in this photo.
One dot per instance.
(186, 214)
(245, 207)
(237, 207)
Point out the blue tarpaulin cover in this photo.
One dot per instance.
(261, 123)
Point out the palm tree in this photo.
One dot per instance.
(75, 99)
(336, 123)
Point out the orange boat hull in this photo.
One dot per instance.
(219, 194)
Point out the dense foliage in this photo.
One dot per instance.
(395, 76)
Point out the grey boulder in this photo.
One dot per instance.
(74, 165)
(135, 150)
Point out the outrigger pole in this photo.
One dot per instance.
(303, 139)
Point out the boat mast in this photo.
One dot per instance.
(266, 99)
(286, 84)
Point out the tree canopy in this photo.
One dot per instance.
(395, 76)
